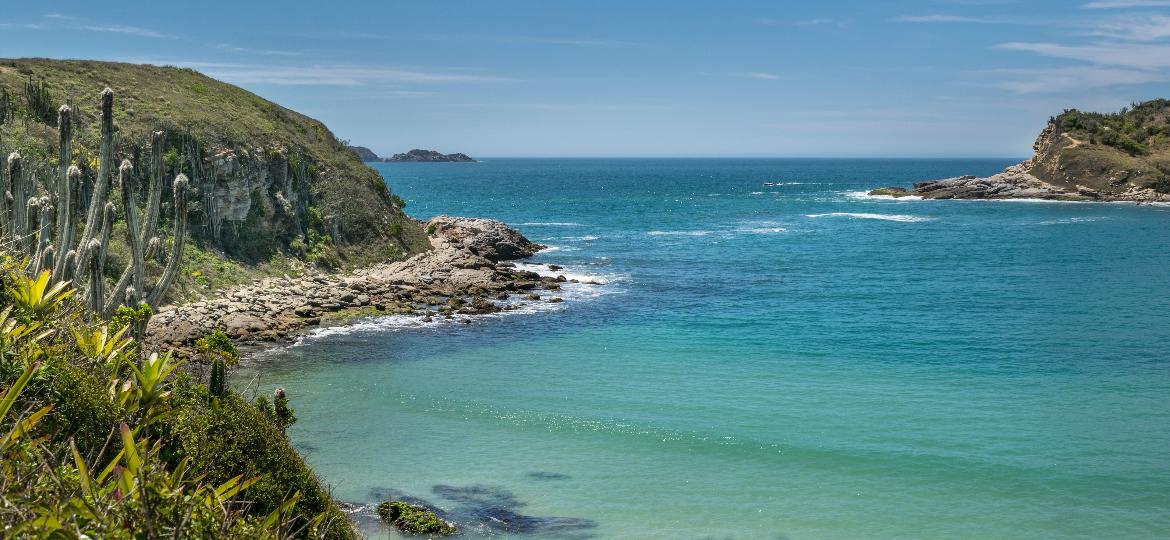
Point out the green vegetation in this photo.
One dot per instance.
(99, 439)
(413, 519)
(254, 170)
(1108, 152)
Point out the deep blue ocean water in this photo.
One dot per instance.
(795, 361)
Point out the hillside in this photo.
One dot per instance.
(272, 190)
(1122, 156)
(1109, 153)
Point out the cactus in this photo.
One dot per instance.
(216, 386)
(176, 258)
(41, 228)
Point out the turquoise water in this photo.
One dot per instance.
(797, 361)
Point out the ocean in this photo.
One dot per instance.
(795, 361)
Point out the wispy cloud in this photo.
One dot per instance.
(23, 26)
(762, 76)
(60, 17)
(1123, 4)
(1076, 78)
(257, 52)
(819, 21)
(121, 29)
(1130, 55)
(1148, 27)
(941, 19)
(323, 75)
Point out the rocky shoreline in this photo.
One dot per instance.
(465, 273)
(1015, 183)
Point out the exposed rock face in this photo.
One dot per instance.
(1013, 183)
(487, 238)
(429, 156)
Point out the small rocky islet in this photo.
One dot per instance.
(1123, 156)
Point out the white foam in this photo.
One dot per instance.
(904, 218)
(866, 195)
(679, 233)
(1067, 221)
(586, 238)
(570, 274)
(757, 193)
(551, 224)
(764, 230)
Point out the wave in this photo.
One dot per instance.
(1067, 221)
(570, 274)
(763, 230)
(679, 233)
(551, 224)
(904, 218)
(866, 195)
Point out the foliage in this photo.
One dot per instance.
(39, 102)
(413, 519)
(35, 297)
(93, 444)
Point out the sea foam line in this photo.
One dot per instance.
(679, 233)
(903, 218)
(866, 195)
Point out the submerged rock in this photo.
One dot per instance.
(413, 518)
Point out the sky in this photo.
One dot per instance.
(924, 78)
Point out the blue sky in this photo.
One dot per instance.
(645, 78)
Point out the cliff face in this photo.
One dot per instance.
(268, 185)
(1123, 156)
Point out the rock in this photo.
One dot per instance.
(891, 191)
(429, 156)
(532, 297)
(414, 519)
(488, 238)
(554, 267)
(555, 300)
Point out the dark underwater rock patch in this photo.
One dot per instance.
(493, 508)
(546, 475)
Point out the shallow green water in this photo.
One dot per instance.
(794, 361)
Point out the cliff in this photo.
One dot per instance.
(272, 190)
(1122, 156)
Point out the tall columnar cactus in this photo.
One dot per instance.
(98, 199)
(176, 258)
(63, 268)
(41, 229)
(216, 386)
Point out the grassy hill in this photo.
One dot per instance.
(272, 190)
(1111, 153)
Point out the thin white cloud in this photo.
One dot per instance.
(24, 26)
(1124, 4)
(1076, 79)
(257, 52)
(1148, 27)
(60, 16)
(940, 19)
(323, 75)
(762, 76)
(1129, 55)
(122, 29)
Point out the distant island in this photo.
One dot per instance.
(415, 156)
(1082, 156)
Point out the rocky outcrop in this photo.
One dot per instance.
(365, 154)
(430, 156)
(487, 238)
(464, 274)
(1079, 157)
(1013, 183)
